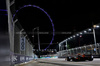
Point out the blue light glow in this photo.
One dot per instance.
(3, 10)
(45, 13)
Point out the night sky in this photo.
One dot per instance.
(68, 16)
(3, 16)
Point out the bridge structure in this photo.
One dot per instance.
(82, 49)
(94, 49)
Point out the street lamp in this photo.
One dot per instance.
(94, 26)
(89, 29)
(74, 36)
(81, 33)
(77, 34)
(97, 26)
(38, 38)
(85, 31)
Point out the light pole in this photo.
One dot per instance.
(60, 47)
(66, 45)
(38, 38)
(94, 26)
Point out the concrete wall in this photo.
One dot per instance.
(12, 41)
(14, 36)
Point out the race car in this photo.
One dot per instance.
(80, 57)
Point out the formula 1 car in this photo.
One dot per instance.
(80, 57)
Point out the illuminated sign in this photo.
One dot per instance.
(22, 43)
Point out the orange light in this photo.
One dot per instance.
(94, 26)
